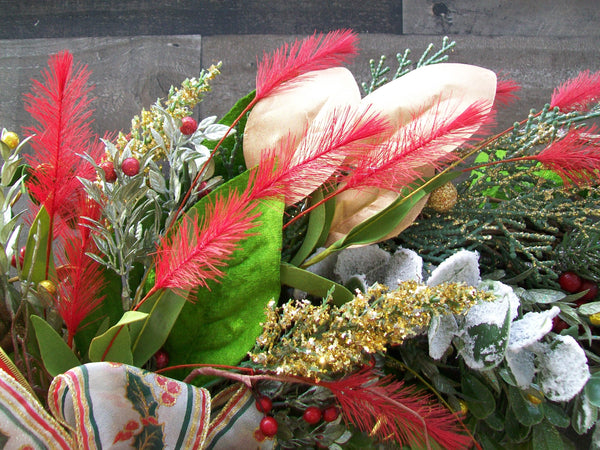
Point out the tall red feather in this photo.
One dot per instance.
(389, 410)
(506, 92)
(313, 53)
(575, 157)
(195, 252)
(422, 142)
(579, 93)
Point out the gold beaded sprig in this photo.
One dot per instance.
(309, 340)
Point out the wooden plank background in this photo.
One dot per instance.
(137, 49)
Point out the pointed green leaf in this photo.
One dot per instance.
(56, 354)
(115, 344)
(34, 264)
(316, 224)
(381, 224)
(223, 322)
(149, 335)
(314, 284)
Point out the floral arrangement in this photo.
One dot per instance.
(317, 268)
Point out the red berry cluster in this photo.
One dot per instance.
(188, 125)
(573, 283)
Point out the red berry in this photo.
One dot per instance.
(162, 359)
(188, 125)
(130, 166)
(591, 288)
(268, 426)
(558, 325)
(330, 413)
(570, 282)
(264, 404)
(13, 261)
(109, 171)
(312, 415)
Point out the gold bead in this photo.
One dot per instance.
(443, 198)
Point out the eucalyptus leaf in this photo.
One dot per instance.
(114, 344)
(314, 284)
(56, 354)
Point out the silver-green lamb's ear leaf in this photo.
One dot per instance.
(461, 267)
(442, 330)
(545, 295)
(157, 181)
(484, 335)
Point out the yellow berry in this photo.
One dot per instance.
(595, 319)
(443, 198)
(464, 409)
(11, 139)
(48, 287)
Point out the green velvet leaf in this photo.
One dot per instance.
(149, 335)
(223, 322)
(115, 344)
(225, 162)
(314, 284)
(380, 225)
(34, 264)
(56, 354)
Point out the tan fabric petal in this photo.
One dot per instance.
(419, 95)
(290, 111)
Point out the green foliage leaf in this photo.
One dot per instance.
(222, 324)
(546, 437)
(314, 284)
(592, 389)
(380, 225)
(225, 164)
(478, 397)
(34, 264)
(316, 224)
(556, 415)
(526, 412)
(149, 335)
(515, 431)
(56, 354)
(115, 344)
(544, 296)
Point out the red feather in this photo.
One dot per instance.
(389, 410)
(422, 142)
(579, 93)
(575, 157)
(506, 90)
(304, 166)
(196, 251)
(79, 278)
(313, 53)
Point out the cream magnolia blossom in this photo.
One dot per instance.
(421, 95)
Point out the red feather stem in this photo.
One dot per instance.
(79, 278)
(423, 142)
(304, 166)
(506, 90)
(313, 53)
(60, 105)
(389, 410)
(579, 93)
(196, 252)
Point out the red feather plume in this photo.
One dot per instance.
(391, 411)
(313, 53)
(506, 92)
(579, 93)
(195, 252)
(575, 157)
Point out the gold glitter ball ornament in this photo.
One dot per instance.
(443, 198)
(595, 319)
(11, 139)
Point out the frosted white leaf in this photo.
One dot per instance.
(521, 364)
(441, 331)
(157, 182)
(370, 261)
(531, 328)
(158, 138)
(462, 267)
(502, 290)
(206, 122)
(562, 368)
(404, 265)
(484, 334)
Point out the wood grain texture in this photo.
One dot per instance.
(128, 73)
(27, 19)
